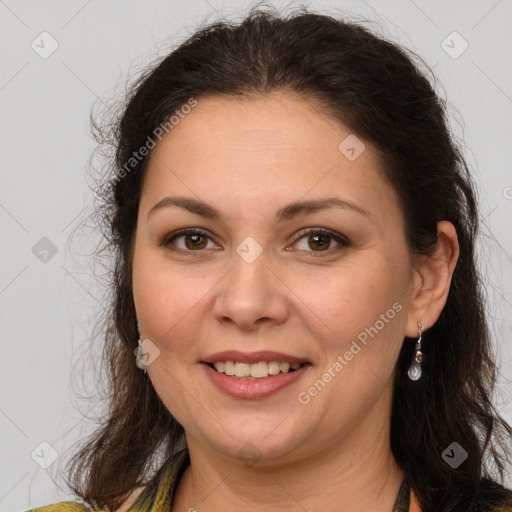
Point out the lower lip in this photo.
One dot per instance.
(257, 388)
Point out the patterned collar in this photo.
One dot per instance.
(157, 495)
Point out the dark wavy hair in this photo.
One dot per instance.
(386, 95)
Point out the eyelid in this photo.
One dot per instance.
(337, 237)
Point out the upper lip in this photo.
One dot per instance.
(252, 357)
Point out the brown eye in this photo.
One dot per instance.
(193, 240)
(320, 241)
(316, 240)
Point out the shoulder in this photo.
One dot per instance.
(73, 506)
(159, 489)
(63, 506)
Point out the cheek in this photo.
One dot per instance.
(165, 301)
(341, 303)
(360, 336)
(360, 331)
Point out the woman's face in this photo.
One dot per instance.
(257, 284)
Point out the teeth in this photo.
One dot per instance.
(273, 368)
(284, 367)
(229, 368)
(242, 369)
(259, 370)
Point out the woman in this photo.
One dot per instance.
(298, 321)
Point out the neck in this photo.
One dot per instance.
(359, 475)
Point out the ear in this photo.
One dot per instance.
(431, 280)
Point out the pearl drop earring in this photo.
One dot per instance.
(414, 371)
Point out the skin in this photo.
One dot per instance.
(248, 158)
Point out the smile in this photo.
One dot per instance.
(260, 370)
(248, 387)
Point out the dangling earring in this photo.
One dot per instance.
(139, 358)
(414, 371)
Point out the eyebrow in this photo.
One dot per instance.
(287, 212)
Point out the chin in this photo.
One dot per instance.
(254, 441)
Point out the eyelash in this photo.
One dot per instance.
(344, 242)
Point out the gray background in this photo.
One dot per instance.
(48, 308)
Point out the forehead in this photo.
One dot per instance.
(267, 149)
(278, 120)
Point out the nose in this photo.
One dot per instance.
(251, 295)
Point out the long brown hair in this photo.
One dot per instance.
(385, 94)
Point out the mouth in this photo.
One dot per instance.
(254, 371)
(254, 375)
